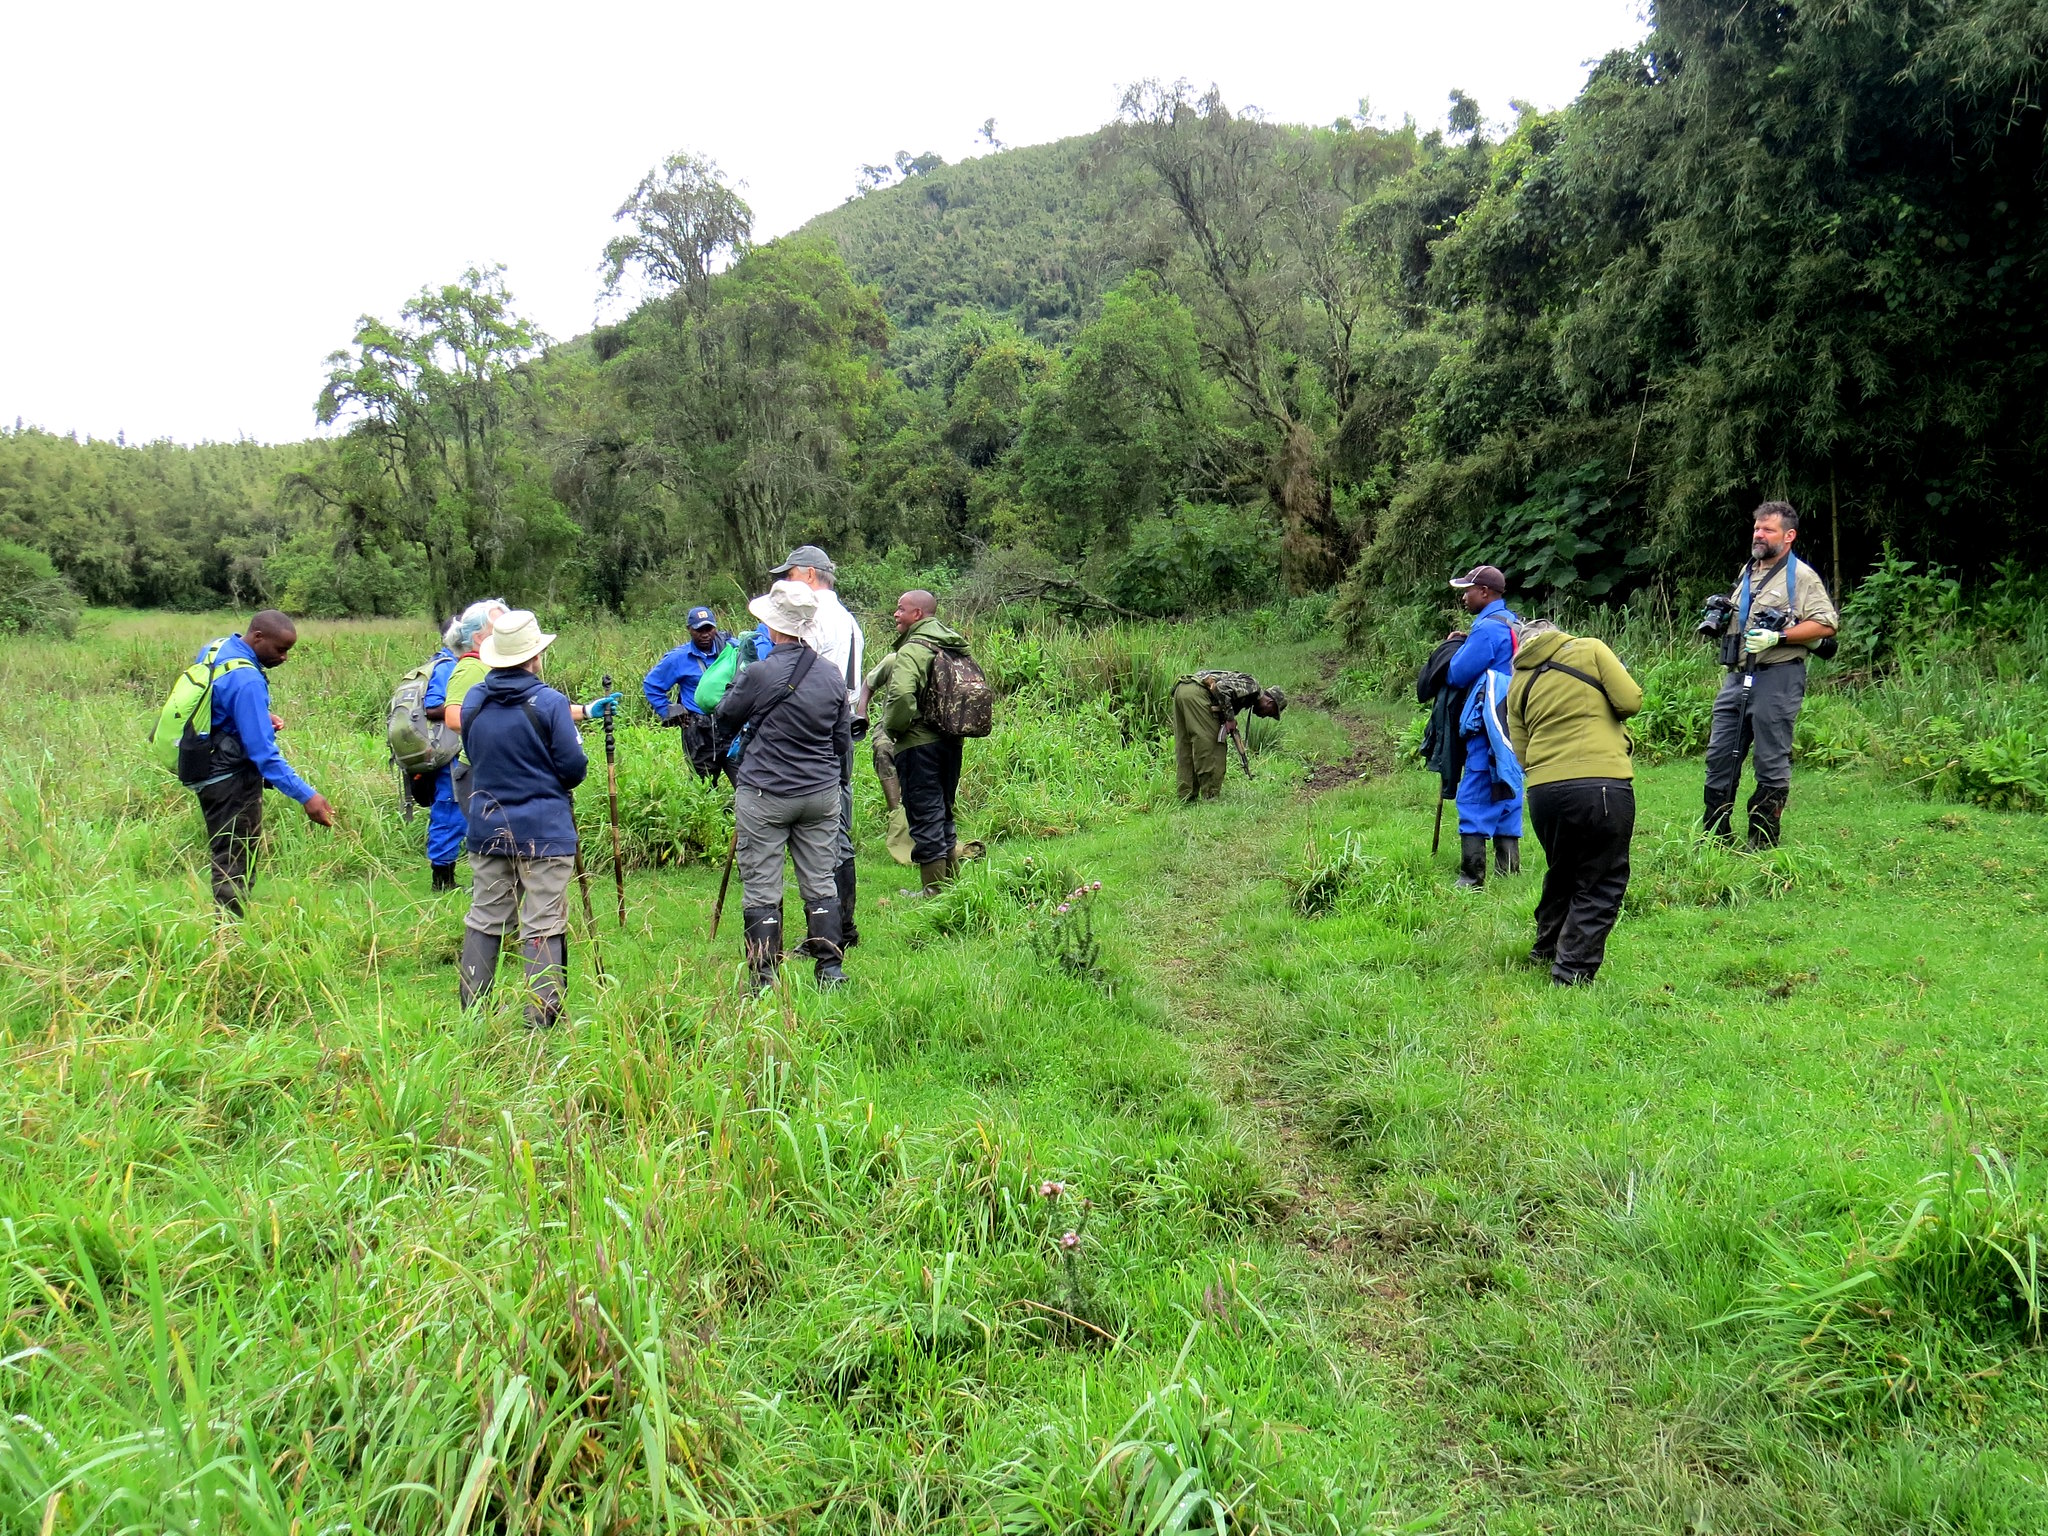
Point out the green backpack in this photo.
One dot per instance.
(418, 745)
(182, 740)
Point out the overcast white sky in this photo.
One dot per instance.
(198, 199)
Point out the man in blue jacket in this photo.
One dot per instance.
(671, 688)
(243, 742)
(524, 763)
(1486, 806)
(445, 825)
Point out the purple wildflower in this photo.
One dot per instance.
(1070, 1241)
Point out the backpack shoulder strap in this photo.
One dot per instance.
(1585, 677)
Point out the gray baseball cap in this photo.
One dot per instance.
(805, 554)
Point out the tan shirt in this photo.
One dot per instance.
(1814, 604)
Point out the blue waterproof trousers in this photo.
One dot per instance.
(1478, 811)
(447, 827)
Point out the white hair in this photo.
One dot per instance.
(463, 629)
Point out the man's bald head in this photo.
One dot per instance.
(913, 608)
(271, 635)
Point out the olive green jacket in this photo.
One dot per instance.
(1563, 728)
(910, 670)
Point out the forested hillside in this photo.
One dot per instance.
(1198, 358)
(1024, 235)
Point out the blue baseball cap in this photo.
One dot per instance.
(699, 617)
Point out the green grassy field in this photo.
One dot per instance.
(1371, 1228)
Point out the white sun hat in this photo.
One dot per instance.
(788, 608)
(515, 639)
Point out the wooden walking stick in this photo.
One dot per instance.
(725, 880)
(611, 769)
(1238, 741)
(1436, 838)
(589, 914)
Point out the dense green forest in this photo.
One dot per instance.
(1198, 358)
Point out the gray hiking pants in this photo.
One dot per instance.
(1760, 717)
(806, 825)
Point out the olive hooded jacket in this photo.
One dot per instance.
(902, 711)
(1565, 727)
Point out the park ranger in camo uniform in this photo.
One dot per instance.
(1205, 710)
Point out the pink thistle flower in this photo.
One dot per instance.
(1051, 1189)
(1096, 886)
(1063, 909)
(1070, 1241)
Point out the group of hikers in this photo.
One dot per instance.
(1524, 710)
(1520, 711)
(498, 758)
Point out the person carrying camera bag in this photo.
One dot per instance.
(791, 727)
(1778, 613)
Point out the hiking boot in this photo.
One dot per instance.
(1471, 860)
(547, 979)
(478, 967)
(1507, 855)
(444, 877)
(1766, 812)
(764, 945)
(822, 941)
(843, 881)
(1717, 821)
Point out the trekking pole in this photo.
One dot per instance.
(1244, 757)
(611, 768)
(589, 915)
(1436, 838)
(725, 880)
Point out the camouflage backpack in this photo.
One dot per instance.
(957, 700)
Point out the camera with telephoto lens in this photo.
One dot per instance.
(1775, 619)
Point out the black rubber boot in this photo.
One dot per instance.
(764, 945)
(1471, 860)
(1717, 820)
(478, 966)
(1507, 855)
(547, 979)
(1766, 813)
(823, 940)
(935, 875)
(444, 876)
(844, 881)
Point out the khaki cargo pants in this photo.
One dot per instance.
(1200, 758)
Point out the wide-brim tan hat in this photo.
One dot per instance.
(788, 608)
(514, 640)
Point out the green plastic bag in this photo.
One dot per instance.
(719, 676)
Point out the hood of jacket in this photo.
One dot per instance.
(509, 684)
(936, 633)
(1539, 646)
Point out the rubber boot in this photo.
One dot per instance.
(1766, 812)
(547, 979)
(935, 874)
(823, 940)
(953, 865)
(844, 881)
(478, 967)
(1471, 860)
(444, 876)
(1717, 820)
(764, 945)
(1507, 855)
